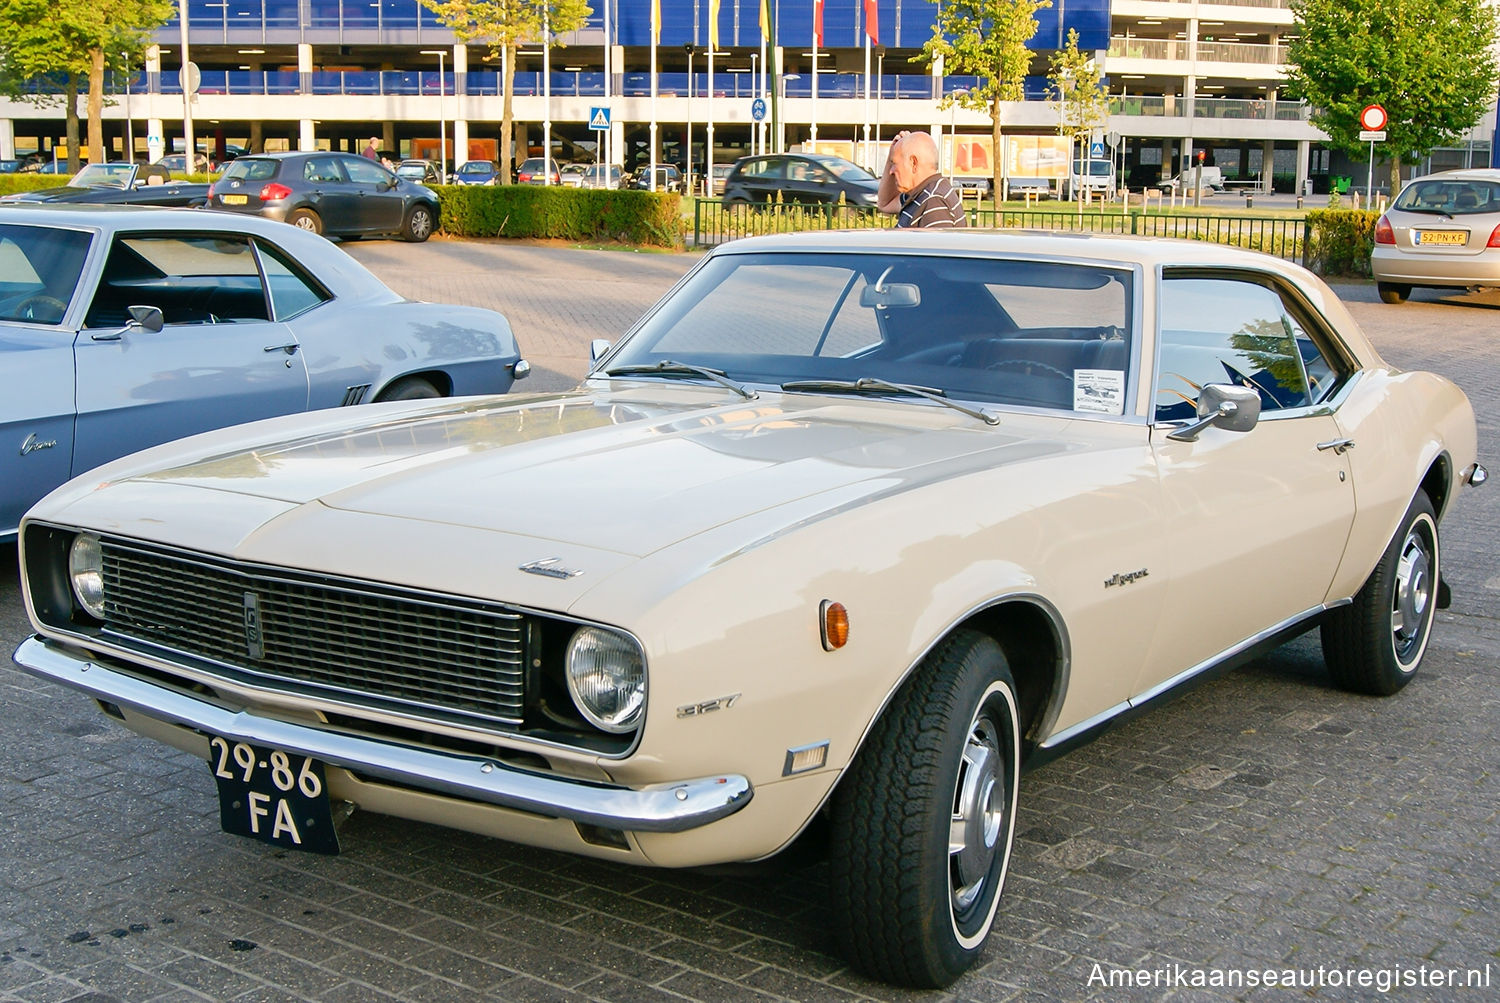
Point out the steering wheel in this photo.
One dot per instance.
(54, 308)
(1029, 364)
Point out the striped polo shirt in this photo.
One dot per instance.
(933, 203)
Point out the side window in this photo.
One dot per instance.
(322, 169)
(292, 292)
(1235, 331)
(365, 172)
(192, 279)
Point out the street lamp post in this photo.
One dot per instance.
(129, 125)
(781, 134)
(442, 112)
(879, 86)
(687, 177)
(754, 126)
(547, 98)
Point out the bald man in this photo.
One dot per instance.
(912, 189)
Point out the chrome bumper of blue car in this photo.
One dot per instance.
(671, 807)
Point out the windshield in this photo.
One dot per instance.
(39, 269)
(1450, 197)
(1017, 332)
(475, 168)
(102, 176)
(845, 169)
(1096, 169)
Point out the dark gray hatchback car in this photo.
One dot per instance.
(337, 194)
(800, 177)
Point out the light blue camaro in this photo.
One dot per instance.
(121, 328)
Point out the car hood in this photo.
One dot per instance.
(627, 471)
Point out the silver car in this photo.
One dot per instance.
(1443, 231)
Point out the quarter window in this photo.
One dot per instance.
(292, 292)
(1234, 331)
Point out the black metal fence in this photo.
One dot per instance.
(1289, 237)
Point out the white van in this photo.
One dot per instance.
(1213, 181)
(1096, 177)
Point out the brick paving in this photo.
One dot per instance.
(1263, 820)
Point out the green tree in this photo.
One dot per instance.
(79, 40)
(987, 39)
(1429, 63)
(504, 26)
(1077, 84)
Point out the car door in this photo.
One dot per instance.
(330, 194)
(40, 269)
(218, 360)
(381, 206)
(1256, 521)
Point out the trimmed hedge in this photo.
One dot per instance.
(31, 182)
(633, 217)
(1342, 240)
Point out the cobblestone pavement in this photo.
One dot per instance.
(1263, 820)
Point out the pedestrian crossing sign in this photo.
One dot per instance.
(599, 119)
(1096, 150)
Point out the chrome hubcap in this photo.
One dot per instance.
(1412, 596)
(305, 223)
(421, 223)
(979, 804)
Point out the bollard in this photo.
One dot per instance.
(1299, 201)
(1249, 200)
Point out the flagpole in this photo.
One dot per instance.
(708, 141)
(868, 161)
(546, 98)
(760, 127)
(813, 131)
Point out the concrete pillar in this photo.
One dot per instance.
(7, 139)
(936, 128)
(153, 69)
(388, 137)
(307, 140)
(460, 70)
(1304, 149)
(1268, 164)
(257, 136)
(460, 141)
(304, 67)
(156, 145)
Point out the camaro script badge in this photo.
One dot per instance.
(1126, 578)
(551, 567)
(32, 444)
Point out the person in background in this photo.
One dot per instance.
(371, 151)
(912, 189)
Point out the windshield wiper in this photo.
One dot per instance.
(666, 367)
(875, 385)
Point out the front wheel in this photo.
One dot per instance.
(924, 819)
(419, 223)
(1393, 293)
(1375, 644)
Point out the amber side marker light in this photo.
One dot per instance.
(835, 625)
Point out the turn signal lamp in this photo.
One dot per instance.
(1383, 232)
(834, 624)
(274, 192)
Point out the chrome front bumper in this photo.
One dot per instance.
(673, 807)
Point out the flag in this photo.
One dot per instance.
(765, 19)
(655, 21)
(818, 23)
(713, 24)
(872, 21)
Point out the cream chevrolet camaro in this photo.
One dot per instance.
(846, 532)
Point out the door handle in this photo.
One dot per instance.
(1339, 446)
(292, 350)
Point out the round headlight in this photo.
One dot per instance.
(607, 678)
(86, 571)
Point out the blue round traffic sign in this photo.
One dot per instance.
(758, 109)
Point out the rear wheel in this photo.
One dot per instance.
(923, 822)
(305, 219)
(1391, 292)
(419, 224)
(410, 388)
(1376, 644)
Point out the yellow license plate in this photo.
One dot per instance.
(236, 199)
(1444, 238)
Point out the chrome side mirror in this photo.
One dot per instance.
(598, 348)
(1234, 409)
(148, 318)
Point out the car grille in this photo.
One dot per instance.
(362, 644)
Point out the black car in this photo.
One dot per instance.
(800, 177)
(120, 184)
(337, 194)
(668, 179)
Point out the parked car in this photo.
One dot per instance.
(668, 179)
(1212, 179)
(123, 327)
(337, 194)
(1443, 232)
(601, 176)
(811, 178)
(532, 172)
(423, 172)
(721, 174)
(571, 175)
(11, 166)
(891, 516)
(118, 183)
(476, 172)
(176, 164)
